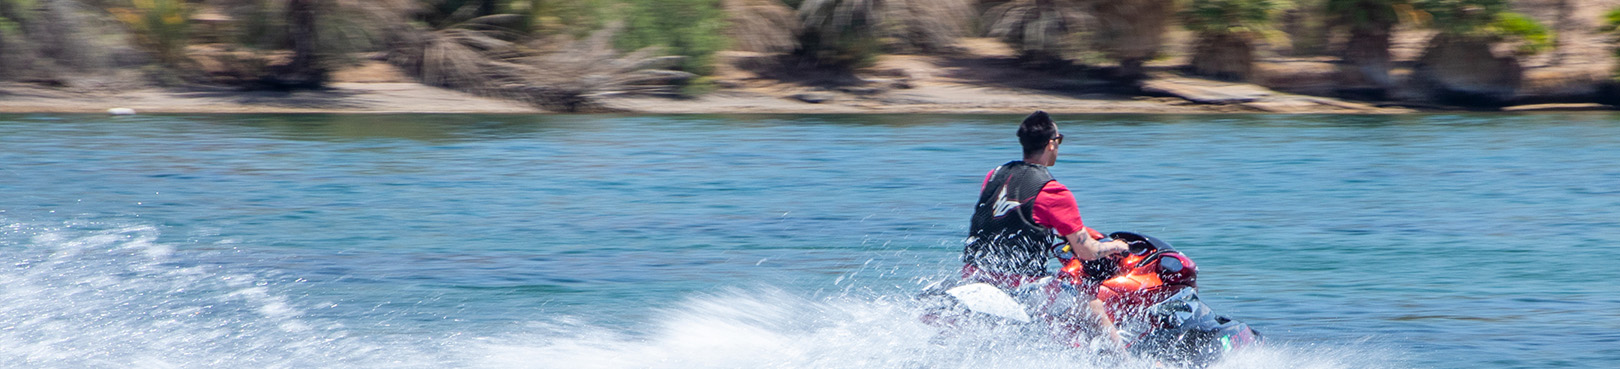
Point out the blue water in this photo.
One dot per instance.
(288, 241)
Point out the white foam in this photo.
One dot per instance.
(73, 296)
(89, 296)
(771, 329)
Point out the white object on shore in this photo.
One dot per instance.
(121, 111)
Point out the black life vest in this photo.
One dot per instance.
(1003, 236)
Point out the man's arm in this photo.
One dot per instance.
(1056, 207)
(1085, 248)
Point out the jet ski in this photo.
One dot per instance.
(1151, 293)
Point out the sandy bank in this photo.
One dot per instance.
(983, 79)
(346, 97)
(350, 97)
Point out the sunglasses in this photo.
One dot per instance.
(1059, 139)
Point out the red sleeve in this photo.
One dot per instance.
(987, 178)
(1056, 208)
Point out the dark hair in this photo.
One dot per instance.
(1037, 129)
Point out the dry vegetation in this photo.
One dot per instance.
(762, 26)
(566, 55)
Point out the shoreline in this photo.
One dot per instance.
(413, 98)
(897, 84)
(343, 97)
(984, 78)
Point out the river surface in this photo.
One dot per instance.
(464, 241)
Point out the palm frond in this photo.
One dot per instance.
(926, 26)
(839, 33)
(1041, 30)
(1131, 31)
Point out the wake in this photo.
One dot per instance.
(112, 295)
(768, 328)
(95, 295)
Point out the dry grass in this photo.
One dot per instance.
(61, 41)
(926, 26)
(572, 77)
(1131, 31)
(763, 26)
(576, 77)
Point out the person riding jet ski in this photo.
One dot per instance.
(1022, 212)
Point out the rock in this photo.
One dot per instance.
(1308, 76)
(371, 72)
(1287, 106)
(1224, 55)
(1463, 70)
(814, 97)
(1306, 104)
(1204, 91)
(1562, 84)
(892, 73)
(901, 83)
(863, 90)
(905, 99)
(757, 63)
(1558, 107)
(1341, 104)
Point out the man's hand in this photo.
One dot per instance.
(1115, 247)
(1086, 248)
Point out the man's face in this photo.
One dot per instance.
(1052, 148)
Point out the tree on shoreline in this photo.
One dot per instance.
(692, 29)
(305, 70)
(1227, 32)
(1042, 31)
(59, 42)
(495, 56)
(1458, 66)
(163, 27)
(10, 35)
(1131, 31)
(839, 34)
(924, 26)
(1365, 59)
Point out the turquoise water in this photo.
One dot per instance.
(282, 241)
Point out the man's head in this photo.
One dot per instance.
(1039, 135)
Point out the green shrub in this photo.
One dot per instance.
(1462, 17)
(693, 29)
(1536, 37)
(8, 26)
(12, 11)
(1489, 19)
(1611, 20)
(1231, 16)
(577, 18)
(262, 24)
(161, 26)
(1611, 25)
